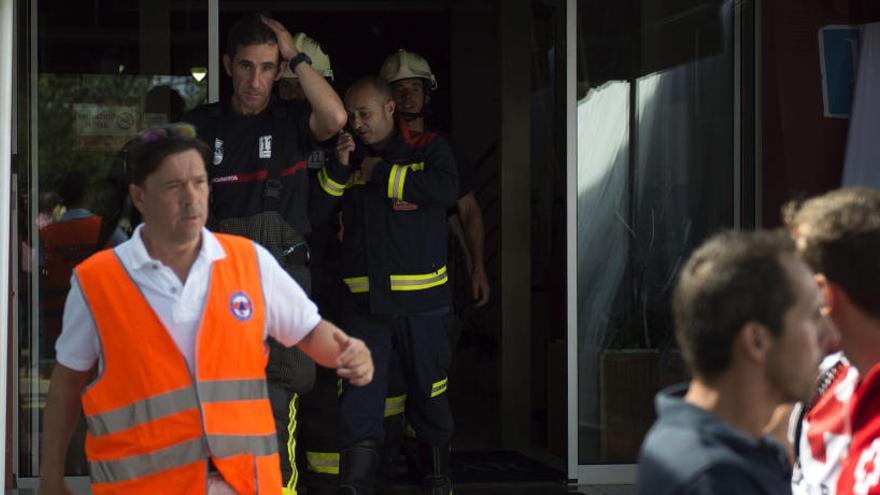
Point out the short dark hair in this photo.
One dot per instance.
(838, 235)
(374, 82)
(143, 158)
(732, 279)
(247, 31)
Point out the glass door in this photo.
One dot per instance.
(655, 143)
(89, 78)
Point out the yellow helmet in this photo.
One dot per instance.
(320, 59)
(407, 65)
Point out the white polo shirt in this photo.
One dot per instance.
(290, 314)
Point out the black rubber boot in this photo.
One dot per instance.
(435, 462)
(357, 468)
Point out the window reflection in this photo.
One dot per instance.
(656, 171)
(103, 73)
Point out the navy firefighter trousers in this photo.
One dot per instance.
(423, 349)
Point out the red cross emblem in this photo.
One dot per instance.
(868, 469)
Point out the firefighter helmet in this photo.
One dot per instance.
(407, 65)
(320, 59)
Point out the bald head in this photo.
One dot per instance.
(372, 85)
(370, 107)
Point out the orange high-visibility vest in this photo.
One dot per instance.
(65, 245)
(152, 424)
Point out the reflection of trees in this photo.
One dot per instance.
(58, 95)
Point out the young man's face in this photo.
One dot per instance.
(253, 69)
(370, 116)
(409, 94)
(807, 335)
(174, 198)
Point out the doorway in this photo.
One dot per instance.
(89, 80)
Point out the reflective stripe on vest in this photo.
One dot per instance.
(138, 466)
(400, 283)
(153, 421)
(230, 445)
(149, 409)
(173, 402)
(182, 454)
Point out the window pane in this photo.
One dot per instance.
(103, 71)
(656, 140)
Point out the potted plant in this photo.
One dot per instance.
(639, 355)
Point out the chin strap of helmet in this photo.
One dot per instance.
(408, 116)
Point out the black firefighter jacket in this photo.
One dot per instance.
(394, 227)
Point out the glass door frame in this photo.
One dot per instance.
(746, 106)
(578, 473)
(7, 147)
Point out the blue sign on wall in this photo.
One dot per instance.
(838, 55)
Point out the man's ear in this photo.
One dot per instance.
(754, 341)
(390, 105)
(227, 64)
(137, 196)
(831, 302)
(427, 99)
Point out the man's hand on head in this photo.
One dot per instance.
(286, 45)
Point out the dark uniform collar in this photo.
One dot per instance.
(673, 409)
(397, 146)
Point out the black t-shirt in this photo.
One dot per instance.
(243, 146)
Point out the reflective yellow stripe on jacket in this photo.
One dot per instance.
(358, 285)
(439, 387)
(395, 405)
(423, 281)
(323, 462)
(329, 185)
(397, 178)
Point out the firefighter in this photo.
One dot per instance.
(260, 187)
(412, 82)
(394, 266)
